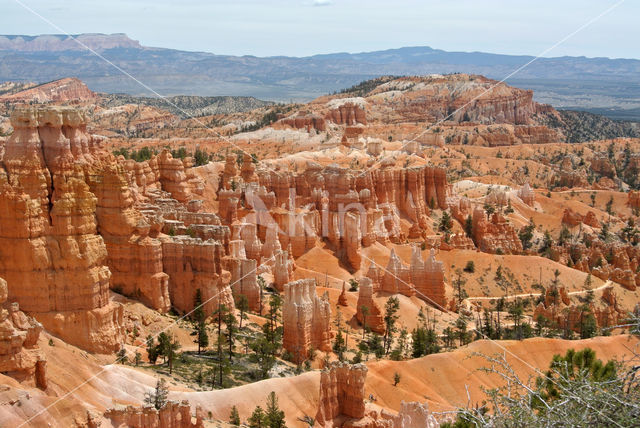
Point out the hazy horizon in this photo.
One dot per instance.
(314, 27)
(317, 54)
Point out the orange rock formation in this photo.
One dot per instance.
(342, 404)
(341, 393)
(243, 275)
(50, 253)
(374, 319)
(428, 278)
(63, 90)
(527, 195)
(306, 319)
(171, 415)
(634, 199)
(424, 279)
(20, 356)
(496, 235)
(573, 218)
(562, 313)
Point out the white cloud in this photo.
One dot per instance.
(322, 2)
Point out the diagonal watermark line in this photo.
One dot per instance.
(242, 150)
(517, 70)
(175, 322)
(129, 75)
(534, 369)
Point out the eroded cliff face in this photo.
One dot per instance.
(495, 235)
(172, 415)
(342, 403)
(243, 275)
(605, 260)
(346, 112)
(306, 319)
(527, 195)
(341, 393)
(562, 313)
(161, 247)
(133, 255)
(428, 278)
(50, 253)
(303, 121)
(374, 318)
(460, 98)
(68, 89)
(351, 210)
(573, 218)
(20, 356)
(76, 221)
(634, 199)
(422, 278)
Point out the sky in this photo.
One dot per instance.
(308, 27)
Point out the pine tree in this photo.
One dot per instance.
(446, 223)
(396, 379)
(203, 337)
(516, 312)
(401, 345)
(459, 284)
(231, 322)
(489, 209)
(365, 311)
(223, 360)
(487, 329)
(424, 341)
(220, 340)
(198, 311)
(234, 417)
(257, 419)
(163, 345)
(468, 226)
(158, 397)
(390, 317)
(526, 235)
(609, 206)
(198, 316)
(121, 356)
(243, 307)
(261, 284)
(572, 366)
(461, 326)
(500, 304)
(376, 345)
(449, 337)
(275, 304)
(588, 282)
(339, 345)
(172, 347)
(274, 417)
(263, 354)
(152, 349)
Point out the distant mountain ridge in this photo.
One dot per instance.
(610, 85)
(187, 106)
(62, 42)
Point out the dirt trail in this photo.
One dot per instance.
(467, 302)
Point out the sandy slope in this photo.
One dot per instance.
(440, 379)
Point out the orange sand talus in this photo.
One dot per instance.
(438, 379)
(441, 378)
